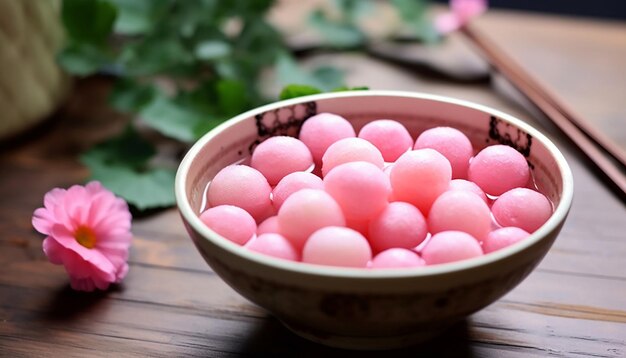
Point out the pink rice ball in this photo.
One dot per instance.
(397, 258)
(419, 176)
(452, 143)
(337, 246)
(390, 137)
(242, 186)
(360, 188)
(351, 150)
(499, 168)
(269, 225)
(305, 212)
(274, 245)
(293, 182)
(522, 207)
(231, 222)
(466, 185)
(503, 237)
(399, 225)
(322, 130)
(450, 246)
(281, 155)
(460, 210)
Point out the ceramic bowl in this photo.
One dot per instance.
(364, 308)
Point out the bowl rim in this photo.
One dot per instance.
(558, 216)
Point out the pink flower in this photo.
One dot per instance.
(462, 12)
(88, 232)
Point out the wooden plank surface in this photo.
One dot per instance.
(171, 304)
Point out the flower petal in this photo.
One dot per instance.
(82, 284)
(102, 284)
(101, 206)
(111, 247)
(121, 273)
(446, 23)
(462, 11)
(113, 226)
(77, 267)
(117, 256)
(53, 198)
(77, 203)
(43, 220)
(117, 216)
(54, 251)
(94, 187)
(467, 9)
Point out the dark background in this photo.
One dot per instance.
(608, 9)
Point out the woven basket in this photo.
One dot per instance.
(31, 83)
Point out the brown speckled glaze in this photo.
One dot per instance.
(359, 308)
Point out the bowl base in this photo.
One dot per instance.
(364, 342)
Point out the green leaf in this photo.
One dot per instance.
(297, 90)
(143, 189)
(425, 30)
(212, 50)
(414, 14)
(137, 17)
(128, 149)
(205, 126)
(81, 59)
(351, 10)
(337, 34)
(201, 99)
(359, 88)
(410, 9)
(131, 96)
(346, 88)
(89, 21)
(232, 98)
(287, 71)
(154, 55)
(260, 43)
(171, 119)
(293, 91)
(120, 164)
(186, 18)
(325, 78)
(328, 77)
(250, 8)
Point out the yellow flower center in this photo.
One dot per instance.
(85, 236)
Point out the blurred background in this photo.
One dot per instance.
(609, 9)
(167, 71)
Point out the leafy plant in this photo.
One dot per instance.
(181, 68)
(210, 52)
(343, 31)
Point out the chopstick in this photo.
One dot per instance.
(591, 142)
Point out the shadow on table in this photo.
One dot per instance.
(69, 304)
(271, 338)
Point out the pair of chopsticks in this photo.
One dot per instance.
(594, 144)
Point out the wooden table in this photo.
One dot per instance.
(171, 304)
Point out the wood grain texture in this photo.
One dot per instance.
(171, 304)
